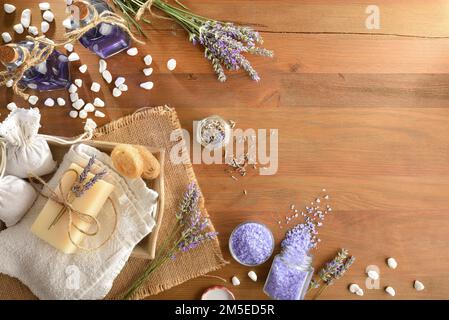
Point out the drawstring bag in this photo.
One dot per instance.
(26, 151)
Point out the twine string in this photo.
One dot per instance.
(147, 6)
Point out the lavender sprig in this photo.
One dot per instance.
(81, 186)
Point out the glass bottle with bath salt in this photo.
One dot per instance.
(213, 132)
(105, 40)
(289, 277)
(52, 74)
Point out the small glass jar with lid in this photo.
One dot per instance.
(213, 132)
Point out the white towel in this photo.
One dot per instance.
(51, 274)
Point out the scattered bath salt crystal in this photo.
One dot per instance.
(6, 37)
(74, 57)
(252, 275)
(418, 285)
(390, 291)
(68, 47)
(235, 281)
(49, 102)
(147, 85)
(61, 102)
(67, 23)
(33, 100)
(171, 64)
(392, 263)
(89, 107)
(78, 104)
(44, 6)
(74, 96)
(73, 88)
(25, 18)
(18, 28)
(48, 16)
(99, 114)
(9, 8)
(98, 103)
(82, 114)
(116, 92)
(102, 65)
(317, 200)
(326, 197)
(107, 76)
(45, 26)
(123, 87)
(132, 51)
(83, 68)
(148, 59)
(372, 274)
(353, 288)
(11, 106)
(73, 114)
(251, 243)
(148, 71)
(119, 81)
(79, 83)
(95, 87)
(292, 207)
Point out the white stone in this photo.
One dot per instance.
(99, 114)
(418, 285)
(42, 67)
(171, 64)
(49, 102)
(148, 59)
(78, 104)
(107, 76)
(102, 66)
(392, 263)
(61, 102)
(123, 87)
(74, 56)
(67, 23)
(68, 47)
(34, 31)
(235, 281)
(9, 8)
(33, 100)
(252, 275)
(44, 6)
(147, 85)
(98, 103)
(390, 291)
(360, 292)
(79, 83)
(119, 81)
(82, 114)
(18, 28)
(45, 26)
(73, 88)
(25, 18)
(9, 83)
(89, 107)
(83, 68)
(6, 37)
(74, 96)
(116, 92)
(48, 16)
(73, 114)
(373, 274)
(353, 288)
(148, 71)
(11, 106)
(68, 2)
(105, 29)
(132, 51)
(95, 87)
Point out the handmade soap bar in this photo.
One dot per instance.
(89, 203)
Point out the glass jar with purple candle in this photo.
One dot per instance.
(105, 40)
(251, 243)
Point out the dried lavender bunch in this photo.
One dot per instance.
(81, 186)
(188, 233)
(224, 43)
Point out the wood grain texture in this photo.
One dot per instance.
(363, 115)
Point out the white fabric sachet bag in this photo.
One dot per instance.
(26, 151)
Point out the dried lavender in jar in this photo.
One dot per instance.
(213, 132)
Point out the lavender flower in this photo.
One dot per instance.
(80, 186)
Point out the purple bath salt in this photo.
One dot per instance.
(251, 243)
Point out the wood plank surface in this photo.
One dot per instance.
(362, 113)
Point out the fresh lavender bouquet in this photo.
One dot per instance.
(224, 43)
(188, 233)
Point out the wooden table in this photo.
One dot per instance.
(363, 115)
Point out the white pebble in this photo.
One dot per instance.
(25, 18)
(74, 96)
(132, 51)
(98, 103)
(123, 87)
(9, 8)
(9, 83)
(235, 281)
(73, 88)
(392, 263)
(6, 37)
(99, 114)
(73, 114)
(89, 107)
(148, 71)
(33, 100)
(107, 76)
(418, 285)
(148, 59)
(78, 104)
(353, 288)
(67, 23)
(44, 6)
(147, 85)
(74, 56)
(11, 106)
(116, 92)
(45, 26)
(49, 102)
(360, 292)
(373, 274)
(252, 275)
(171, 64)
(83, 68)
(48, 16)
(61, 102)
(106, 29)
(390, 291)
(82, 114)
(79, 83)
(68, 2)
(68, 47)
(18, 28)
(119, 81)
(102, 65)
(33, 30)
(95, 87)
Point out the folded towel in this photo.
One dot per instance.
(51, 274)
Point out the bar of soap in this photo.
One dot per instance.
(91, 203)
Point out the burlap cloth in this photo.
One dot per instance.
(151, 127)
